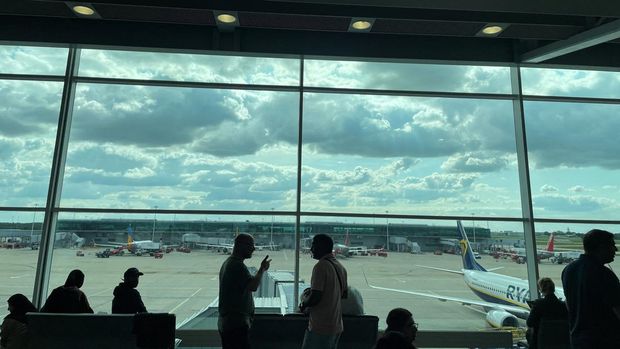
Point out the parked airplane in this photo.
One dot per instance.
(503, 297)
(228, 247)
(517, 254)
(134, 246)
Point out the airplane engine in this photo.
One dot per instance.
(500, 318)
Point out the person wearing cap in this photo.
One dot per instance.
(127, 299)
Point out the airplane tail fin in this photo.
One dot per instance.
(469, 260)
(347, 242)
(130, 237)
(551, 243)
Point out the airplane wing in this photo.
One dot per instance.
(110, 244)
(509, 308)
(460, 272)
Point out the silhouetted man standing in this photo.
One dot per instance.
(236, 305)
(329, 285)
(592, 294)
(127, 299)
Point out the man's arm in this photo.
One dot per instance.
(255, 281)
(616, 310)
(314, 299)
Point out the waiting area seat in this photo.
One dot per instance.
(287, 331)
(100, 331)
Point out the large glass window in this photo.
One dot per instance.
(180, 255)
(416, 263)
(182, 148)
(144, 136)
(20, 232)
(566, 247)
(406, 76)
(573, 167)
(570, 83)
(28, 122)
(410, 155)
(32, 60)
(189, 67)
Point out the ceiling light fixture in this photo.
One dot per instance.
(83, 10)
(361, 24)
(492, 29)
(226, 18)
(226, 21)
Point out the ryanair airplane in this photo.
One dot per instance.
(503, 297)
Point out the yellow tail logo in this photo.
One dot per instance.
(464, 247)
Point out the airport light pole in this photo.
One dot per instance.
(387, 231)
(34, 214)
(473, 225)
(154, 220)
(271, 237)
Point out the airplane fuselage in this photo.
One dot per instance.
(502, 289)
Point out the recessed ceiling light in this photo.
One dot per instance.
(361, 25)
(83, 10)
(492, 29)
(226, 18)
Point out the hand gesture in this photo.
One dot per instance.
(264, 265)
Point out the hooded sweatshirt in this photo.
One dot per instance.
(127, 300)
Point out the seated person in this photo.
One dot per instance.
(353, 304)
(127, 299)
(400, 331)
(14, 331)
(548, 307)
(68, 298)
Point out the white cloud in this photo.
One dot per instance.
(546, 188)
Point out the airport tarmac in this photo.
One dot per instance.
(185, 283)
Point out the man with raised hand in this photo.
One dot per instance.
(236, 305)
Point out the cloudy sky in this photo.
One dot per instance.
(198, 148)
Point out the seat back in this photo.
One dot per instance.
(154, 330)
(78, 331)
(360, 332)
(553, 334)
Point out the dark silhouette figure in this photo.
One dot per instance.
(548, 307)
(127, 299)
(328, 287)
(14, 330)
(592, 293)
(400, 332)
(236, 305)
(68, 298)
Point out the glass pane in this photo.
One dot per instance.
(19, 236)
(438, 156)
(573, 163)
(406, 76)
(28, 122)
(384, 276)
(183, 277)
(570, 83)
(182, 148)
(567, 246)
(189, 67)
(33, 60)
